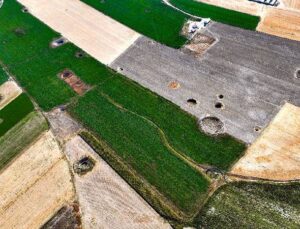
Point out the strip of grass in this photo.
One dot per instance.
(180, 128)
(15, 111)
(20, 136)
(3, 76)
(246, 205)
(219, 14)
(139, 144)
(29, 57)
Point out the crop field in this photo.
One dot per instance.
(253, 205)
(20, 136)
(218, 14)
(14, 112)
(147, 132)
(3, 76)
(162, 23)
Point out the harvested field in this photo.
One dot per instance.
(252, 205)
(100, 36)
(118, 205)
(11, 114)
(275, 155)
(74, 82)
(8, 92)
(20, 136)
(281, 22)
(244, 6)
(35, 186)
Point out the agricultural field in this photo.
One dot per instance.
(253, 205)
(162, 23)
(15, 111)
(20, 136)
(3, 76)
(218, 14)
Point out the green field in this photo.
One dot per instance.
(20, 136)
(218, 14)
(3, 76)
(253, 205)
(146, 131)
(15, 111)
(162, 23)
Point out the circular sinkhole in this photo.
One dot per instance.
(212, 125)
(192, 101)
(84, 165)
(66, 74)
(219, 105)
(25, 10)
(220, 96)
(297, 74)
(257, 128)
(80, 54)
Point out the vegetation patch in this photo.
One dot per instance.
(3, 76)
(253, 205)
(219, 14)
(15, 111)
(20, 136)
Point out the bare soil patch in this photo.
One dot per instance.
(276, 153)
(212, 125)
(118, 206)
(199, 44)
(8, 92)
(74, 82)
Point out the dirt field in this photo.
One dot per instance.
(118, 205)
(35, 186)
(98, 35)
(244, 6)
(281, 22)
(74, 82)
(8, 92)
(276, 153)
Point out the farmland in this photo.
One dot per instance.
(218, 14)
(253, 205)
(20, 136)
(14, 112)
(3, 76)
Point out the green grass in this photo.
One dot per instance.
(253, 205)
(162, 23)
(218, 14)
(3, 76)
(20, 136)
(12, 113)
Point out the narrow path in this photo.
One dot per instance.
(167, 2)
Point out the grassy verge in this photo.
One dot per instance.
(3, 76)
(219, 14)
(21, 135)
(253, 205)
(15, 111)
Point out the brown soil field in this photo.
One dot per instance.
(244, 6)
(106, 200)
(275, 154)
(281, 22)
(74, 82)
(98, 35)
(8, 92)
(35, 186)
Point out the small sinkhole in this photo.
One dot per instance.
(219, 105)
(192, 101)
(84, 165)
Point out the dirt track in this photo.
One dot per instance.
(276, 153)
(98, 35)
(9, 91)
(106, 200)
(35, 185)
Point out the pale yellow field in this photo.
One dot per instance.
(35, 185)
(98, 35)
(275, 154)
(9, 91)
(292, 4)
(106, 200)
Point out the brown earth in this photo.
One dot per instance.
(275, 154)
(106, 200)
(35, 186)
(74, 82)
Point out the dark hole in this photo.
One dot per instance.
(298, 74)
(66, 74)
(192, 101)
(257, 128)
(80, 54)
(24, 10)
(221, 96)
(219, 105)
(84, 165)
(60, 41)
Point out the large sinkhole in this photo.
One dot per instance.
(211, 125)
